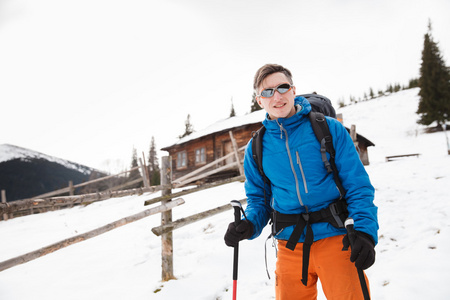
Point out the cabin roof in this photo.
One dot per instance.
(224, 124)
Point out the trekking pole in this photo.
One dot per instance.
(237, 219)
(351, 237)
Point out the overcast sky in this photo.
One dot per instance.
(88, 80)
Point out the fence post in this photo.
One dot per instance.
(144, 173)
(71, 188)
(5, 216)
(353, 135)
(166, 218)
(236, 154)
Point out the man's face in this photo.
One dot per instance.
(279, 105)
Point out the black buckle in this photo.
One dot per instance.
(305, 217)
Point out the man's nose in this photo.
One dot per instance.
(277, 95)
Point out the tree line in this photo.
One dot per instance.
(153, 172)
(391, 88)
(152, 165)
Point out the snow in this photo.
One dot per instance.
(10, 152)
(412, 254)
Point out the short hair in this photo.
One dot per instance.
(267, 70)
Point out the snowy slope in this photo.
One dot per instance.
(412, 254)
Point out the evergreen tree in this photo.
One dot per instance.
(153, 165)
(134, 174)
(188, 127)
(352, 99)
(233, 112)
(434, 83)
(371, 94)
(413, 83)
(255, 106)
(390, 89)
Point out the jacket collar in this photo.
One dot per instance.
(303, 108)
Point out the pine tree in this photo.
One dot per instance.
(153, 165)
(233, 112)
(390, 89)
(413, 83)
(255, 106)
(134, 174)
(188, 127)
(434, 83)
(352, 99)
(371, 94)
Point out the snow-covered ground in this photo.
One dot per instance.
(412, 255)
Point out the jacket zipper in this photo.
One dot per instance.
(303, 173)
(292, 165)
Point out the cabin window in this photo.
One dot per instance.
(181, 160)
(200, 156)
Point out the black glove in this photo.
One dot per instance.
(238, 233)
(363, 250)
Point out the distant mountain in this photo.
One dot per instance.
(26, 173)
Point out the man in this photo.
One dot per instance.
(301, 186)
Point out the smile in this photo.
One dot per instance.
(280, 105)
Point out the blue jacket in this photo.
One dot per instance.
(298, 178)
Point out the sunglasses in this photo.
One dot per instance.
(282, 88)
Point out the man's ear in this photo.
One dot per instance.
(293, 90)
(258, 99)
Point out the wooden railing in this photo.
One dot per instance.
(48, 201)
(165, 230)
(165, 208)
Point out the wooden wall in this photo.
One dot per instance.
(216, 145)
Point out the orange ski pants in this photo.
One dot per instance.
(338, 276)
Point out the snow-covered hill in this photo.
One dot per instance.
(26, 173)
(412, 254)
(10, 152)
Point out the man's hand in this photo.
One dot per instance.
(363, 250)
(238, 233)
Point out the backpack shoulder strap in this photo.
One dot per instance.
(257, 145)
(321, 130)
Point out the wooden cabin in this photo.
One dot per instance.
(200, 151)
(203, 148)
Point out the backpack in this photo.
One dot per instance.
(336, 213)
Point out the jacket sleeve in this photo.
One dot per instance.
(359, 191)
(258, 194)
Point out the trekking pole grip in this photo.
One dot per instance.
(237, 211)
(349, 225)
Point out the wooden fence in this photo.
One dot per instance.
(48, 201)
(165, 208)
